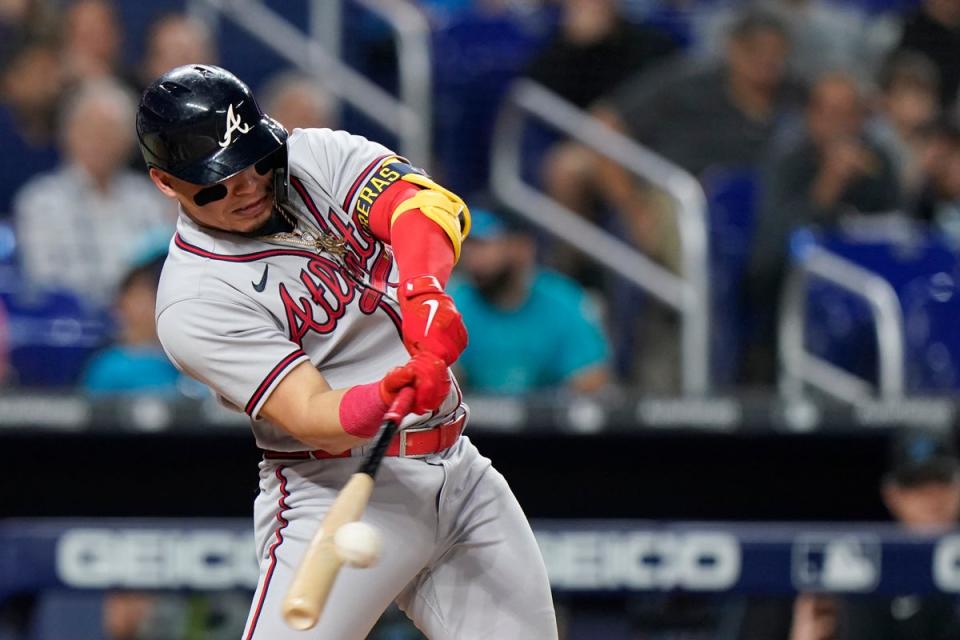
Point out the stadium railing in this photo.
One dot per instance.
(688, 294)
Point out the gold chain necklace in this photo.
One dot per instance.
(317, 241)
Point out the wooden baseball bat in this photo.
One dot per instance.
(318, 570)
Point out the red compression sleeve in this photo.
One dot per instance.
(420, 246)
(361, 410)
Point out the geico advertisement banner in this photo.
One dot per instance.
(599, 556)
(152, 559)
(640, 560)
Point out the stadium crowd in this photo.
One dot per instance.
(812, 112)
(826, 110)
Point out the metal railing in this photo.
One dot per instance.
(409, 116)
(688, 293)
(799, 367)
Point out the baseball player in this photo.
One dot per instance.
(305, 287)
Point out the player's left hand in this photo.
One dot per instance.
(431, 321)
(429, 377)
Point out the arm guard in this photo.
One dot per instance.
(444, 207)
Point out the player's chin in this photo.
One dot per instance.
(248, 220)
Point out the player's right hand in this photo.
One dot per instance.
(427, 374)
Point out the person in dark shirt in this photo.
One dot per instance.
(31, 86)
(721, 113)
(831, 170)
(934, 30)
(594, 50)
(922, 491)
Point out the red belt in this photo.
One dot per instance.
(420, 441)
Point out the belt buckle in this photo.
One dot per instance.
(403, 438)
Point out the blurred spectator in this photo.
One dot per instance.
(697, 117)
(136, 362)
(137, 615)
(530, 329)
(30, 87)
(18, 17)
(934, 30)
(922, 486)
(908, 106)
(939, 202)
(825, 35)
(594, 50)
(92, 36)
(79, 226)
(719, 115)
(297, 100)
(173, 40)
(922, 492)
(832, 170)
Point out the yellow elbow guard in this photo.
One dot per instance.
(440, 205)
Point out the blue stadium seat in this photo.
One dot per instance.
(922, 268)
(475, 59)
(52, 334)
(731, 210)
(931, 307)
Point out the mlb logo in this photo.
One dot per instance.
(846, 563)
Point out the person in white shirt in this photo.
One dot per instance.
(79, 226)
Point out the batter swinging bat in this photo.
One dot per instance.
(311, 585)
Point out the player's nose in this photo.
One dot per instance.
(246, 182)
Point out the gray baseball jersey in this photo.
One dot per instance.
(240, 313)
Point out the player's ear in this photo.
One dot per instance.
(161, 179)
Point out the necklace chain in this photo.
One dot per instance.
(317, 241)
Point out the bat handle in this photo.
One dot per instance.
(401, 405)
(391, 422)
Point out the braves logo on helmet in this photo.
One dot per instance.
(234, 123)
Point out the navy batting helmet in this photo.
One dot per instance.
(201, 124)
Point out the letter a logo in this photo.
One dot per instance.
(233, 124)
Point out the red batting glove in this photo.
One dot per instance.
(428, 376)
(431, 322)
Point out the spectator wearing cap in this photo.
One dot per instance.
(921, 489)
(922, 492)
(531, 329)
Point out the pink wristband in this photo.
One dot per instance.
(362, 409)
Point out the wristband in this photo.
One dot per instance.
(362, 409)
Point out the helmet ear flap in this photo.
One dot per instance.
(281, 177)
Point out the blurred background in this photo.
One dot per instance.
(712, 292)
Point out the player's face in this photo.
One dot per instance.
(239, 204)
